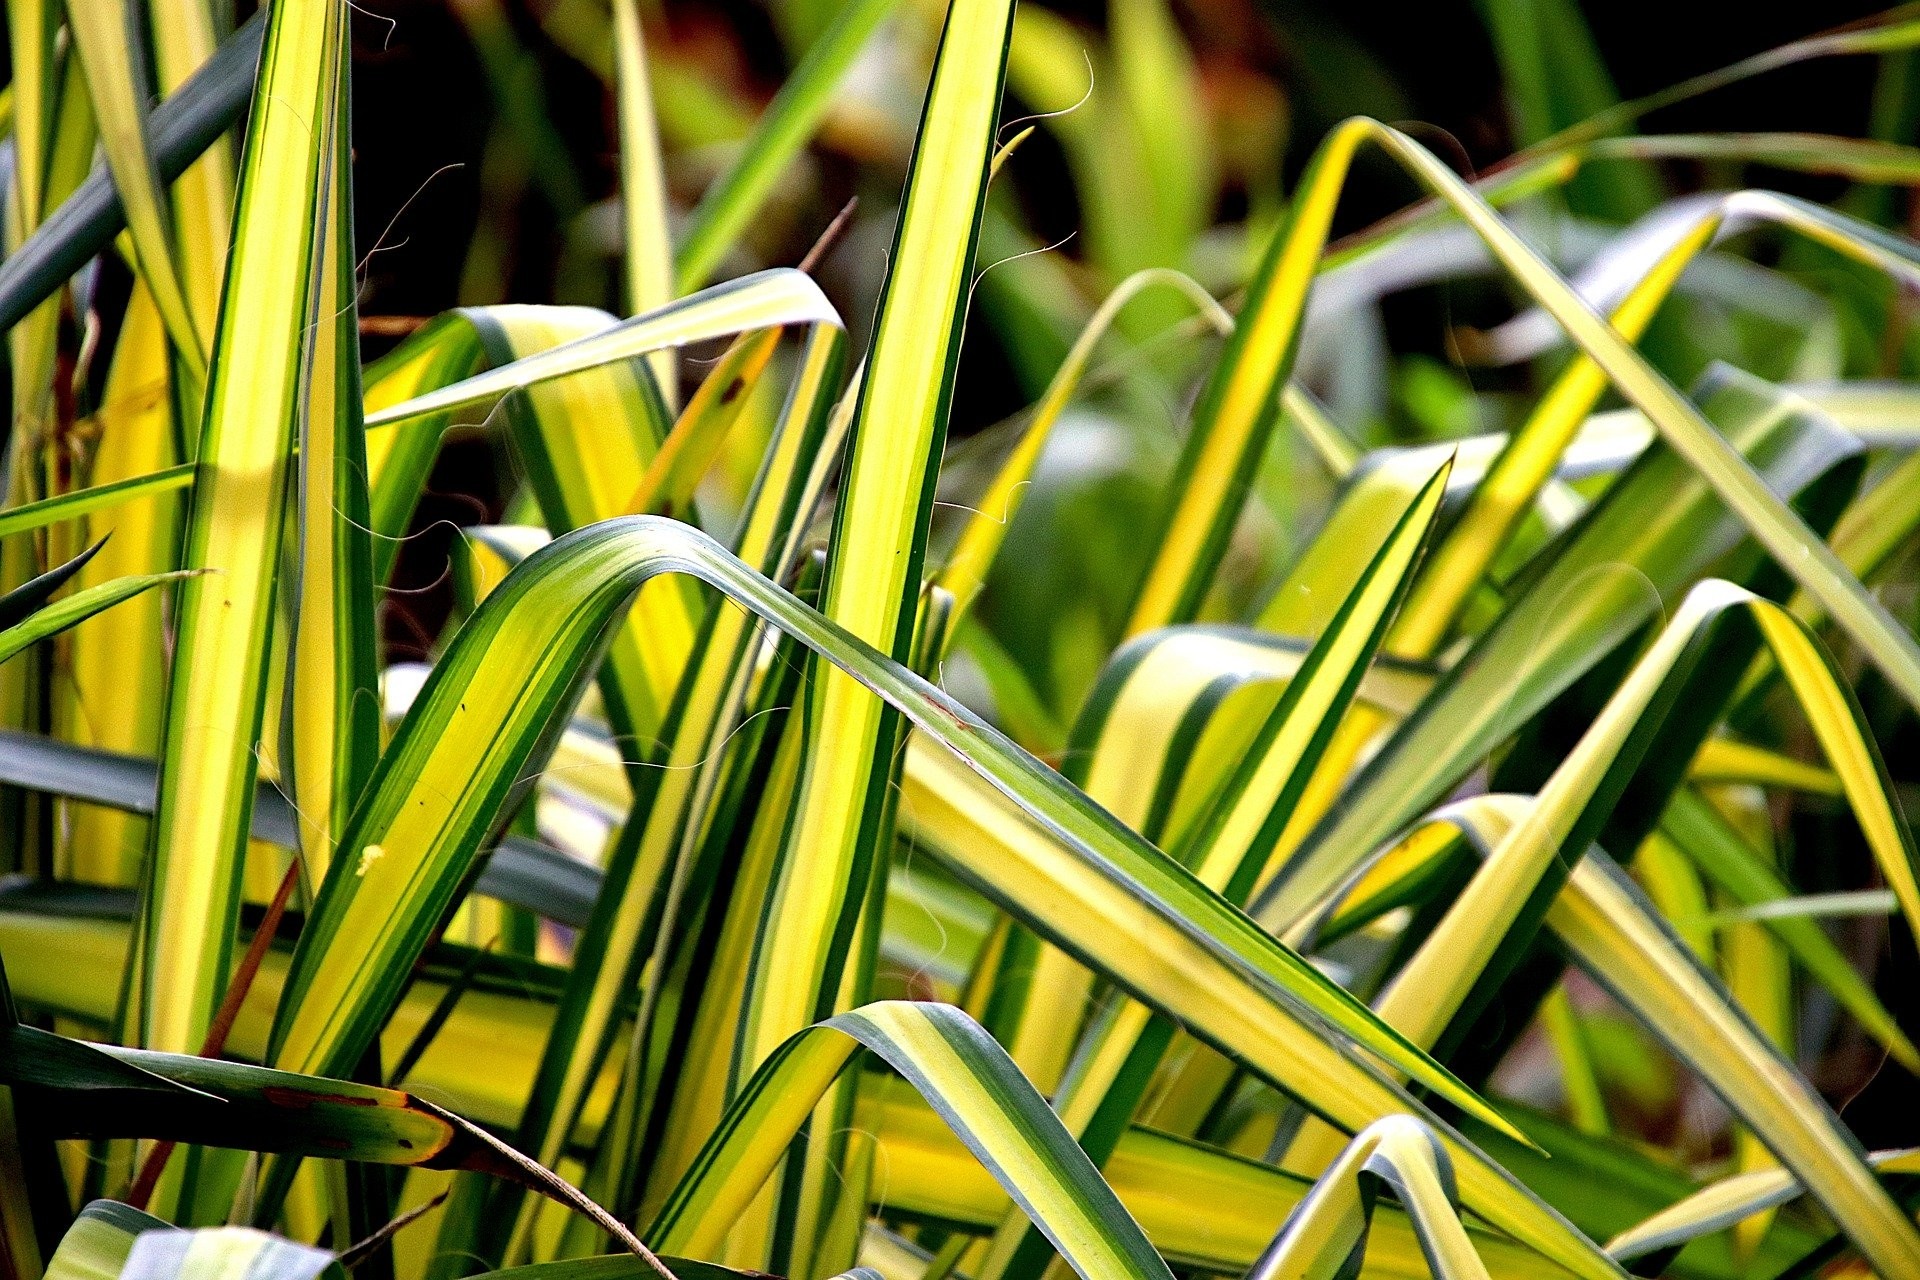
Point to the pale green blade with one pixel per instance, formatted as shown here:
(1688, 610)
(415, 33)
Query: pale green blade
(216, 1253)
(96, 1246)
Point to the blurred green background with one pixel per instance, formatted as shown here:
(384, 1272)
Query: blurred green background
(486, 172)
(485, 147)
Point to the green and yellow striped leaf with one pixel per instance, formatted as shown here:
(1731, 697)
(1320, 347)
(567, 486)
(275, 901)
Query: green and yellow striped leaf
(974, 1087)
(75, 609)
(1230, 842)
(100, 497)
(258, 385)
(1325, 1236)
(1660, 526)
(841, 822)
(1610, 929)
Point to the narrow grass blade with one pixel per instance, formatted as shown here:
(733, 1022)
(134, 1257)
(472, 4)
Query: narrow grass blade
(1579, 1077)
(186, 41)
(1727, 760)
(643, 192)
(75, 609)
(1256, 802)
(116, 695)
(1523, 468)
(100, 497)
(581, 466)
(32, 30)
(399, 458)
(1160, 94)
(1644, 263)
(21, 602)
(107, 41)
(211, 1102)
(1327, 569)
(782, 130)
(482, 1060)
(1738, 870)
(40, 1059)
(54, 142)
(583, 443)
(1240, 403)
(231, 1105)
(705, 1089)
(702, 428)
